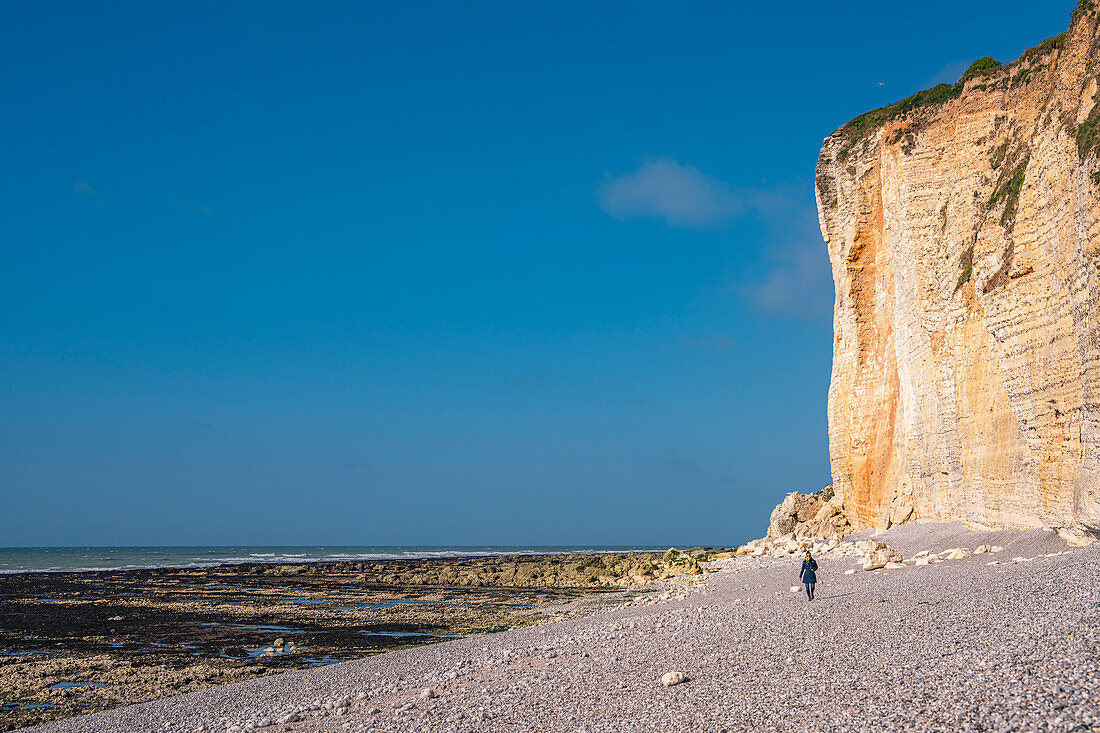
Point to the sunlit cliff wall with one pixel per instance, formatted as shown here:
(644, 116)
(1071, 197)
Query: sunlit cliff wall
(963, 227)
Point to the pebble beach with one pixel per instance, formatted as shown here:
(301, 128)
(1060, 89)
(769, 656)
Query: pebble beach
(996, 641)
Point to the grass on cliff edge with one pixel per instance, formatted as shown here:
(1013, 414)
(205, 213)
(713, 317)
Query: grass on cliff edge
(867, 122)
(860, 127)
(1084, 7)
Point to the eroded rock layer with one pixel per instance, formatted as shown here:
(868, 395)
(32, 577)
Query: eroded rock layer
(963, 227)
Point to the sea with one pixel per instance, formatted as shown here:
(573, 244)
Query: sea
(87, 559)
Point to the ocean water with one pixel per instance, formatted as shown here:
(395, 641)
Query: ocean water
(69, 559)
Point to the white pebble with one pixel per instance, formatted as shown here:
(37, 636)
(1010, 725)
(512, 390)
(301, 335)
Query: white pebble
(668, 679)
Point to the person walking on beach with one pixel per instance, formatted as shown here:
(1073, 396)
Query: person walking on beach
(808, 574)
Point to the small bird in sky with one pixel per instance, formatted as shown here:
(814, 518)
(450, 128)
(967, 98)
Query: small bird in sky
(882, 83)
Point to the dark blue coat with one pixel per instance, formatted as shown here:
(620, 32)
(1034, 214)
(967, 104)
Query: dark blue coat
(809, 568)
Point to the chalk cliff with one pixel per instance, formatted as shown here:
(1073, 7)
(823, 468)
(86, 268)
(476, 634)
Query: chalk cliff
(963, 227)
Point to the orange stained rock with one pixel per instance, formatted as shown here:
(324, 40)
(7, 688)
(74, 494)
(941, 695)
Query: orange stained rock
(966, 259)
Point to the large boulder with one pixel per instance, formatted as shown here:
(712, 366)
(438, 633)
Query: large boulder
(809, 516)
(794, 509)
(798, 522)
(880, 555)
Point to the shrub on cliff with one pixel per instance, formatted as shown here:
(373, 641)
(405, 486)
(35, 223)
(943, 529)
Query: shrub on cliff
(1088, 133)
(982, 67)
(1008, 189)
(1084, 7)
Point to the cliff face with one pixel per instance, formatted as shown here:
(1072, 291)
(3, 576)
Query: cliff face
(963, 227)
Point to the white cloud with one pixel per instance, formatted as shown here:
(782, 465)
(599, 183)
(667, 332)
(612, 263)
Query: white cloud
(794, 280)
(664, 189)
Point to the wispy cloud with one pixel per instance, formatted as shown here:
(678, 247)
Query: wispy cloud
(204, 209)
(665, 189)
(796, 279)
(716, 344)
(84, 188)
(949, 74)
(799, 282)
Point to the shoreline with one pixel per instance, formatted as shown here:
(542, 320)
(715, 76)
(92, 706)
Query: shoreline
(77, 642)
(413, 553)
(1007, 643)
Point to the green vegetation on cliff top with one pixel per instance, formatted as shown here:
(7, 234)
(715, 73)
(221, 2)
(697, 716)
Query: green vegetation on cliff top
(866, 123)
(1083, 7)
(984, 66)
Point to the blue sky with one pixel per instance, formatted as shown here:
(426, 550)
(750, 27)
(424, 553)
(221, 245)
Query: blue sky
(448, 273)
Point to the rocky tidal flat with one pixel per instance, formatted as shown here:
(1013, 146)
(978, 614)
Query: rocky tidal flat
(967, 643)
(74, 643)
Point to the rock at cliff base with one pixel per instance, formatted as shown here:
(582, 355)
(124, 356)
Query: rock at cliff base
(879, 555)
(809, 516)
(793, 509)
